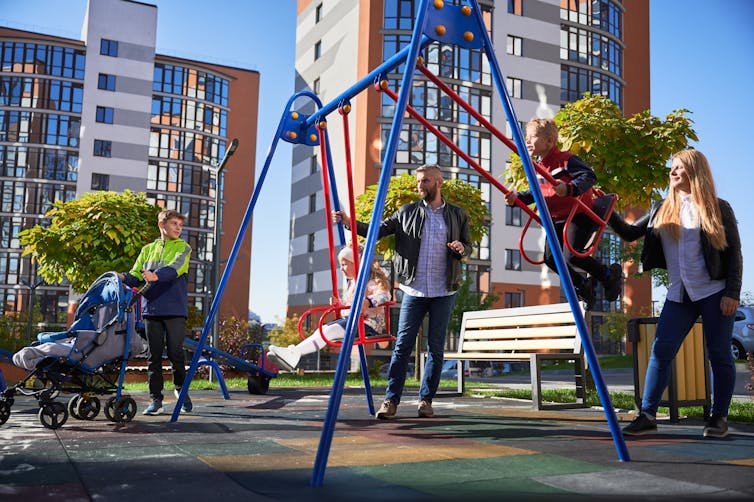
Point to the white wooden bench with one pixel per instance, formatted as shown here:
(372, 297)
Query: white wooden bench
(526, 334)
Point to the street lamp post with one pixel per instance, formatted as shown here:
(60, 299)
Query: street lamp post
(30, 304)
(218, 224)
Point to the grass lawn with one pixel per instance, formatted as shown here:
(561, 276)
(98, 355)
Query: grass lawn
(739, 411)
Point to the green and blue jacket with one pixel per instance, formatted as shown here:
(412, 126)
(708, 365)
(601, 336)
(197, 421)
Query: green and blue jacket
(168, 296)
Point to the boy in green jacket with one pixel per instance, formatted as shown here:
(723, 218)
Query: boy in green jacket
(164, 264)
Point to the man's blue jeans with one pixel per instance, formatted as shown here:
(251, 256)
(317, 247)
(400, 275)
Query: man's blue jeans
(676, 320)
(413, 310)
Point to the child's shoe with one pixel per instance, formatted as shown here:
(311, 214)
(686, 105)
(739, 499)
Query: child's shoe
(287, 358)
(614, 283)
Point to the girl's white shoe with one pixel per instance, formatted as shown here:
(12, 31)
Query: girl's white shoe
(287, 358)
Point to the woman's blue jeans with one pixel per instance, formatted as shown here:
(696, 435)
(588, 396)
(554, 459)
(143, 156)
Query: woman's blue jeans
(413, 310)
(676, 320)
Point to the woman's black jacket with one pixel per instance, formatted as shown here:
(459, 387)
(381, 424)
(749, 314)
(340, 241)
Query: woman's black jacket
(726, 264)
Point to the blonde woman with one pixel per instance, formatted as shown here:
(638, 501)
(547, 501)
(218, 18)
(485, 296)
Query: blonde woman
(377, 293)
(694, 235)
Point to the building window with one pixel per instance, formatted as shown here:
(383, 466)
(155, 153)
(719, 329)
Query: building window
(318, 13)
(513, 45)
(105, 114)
(309, 282)
(102, 148)
(310, 243)
(313, 203)
(512, 300)
(512, 259)
(108, 48)
(516, 7)
(315, 86)
(317, 50)
(106, 82)
(100, 181)
(513, 216)
(313, 165)
(514, 87)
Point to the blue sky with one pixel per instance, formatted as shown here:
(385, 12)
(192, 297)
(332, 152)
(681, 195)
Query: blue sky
(700, 60)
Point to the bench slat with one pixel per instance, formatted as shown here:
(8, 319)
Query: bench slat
(491, 322)
(485, 356)
(522, 333)
(520, 345)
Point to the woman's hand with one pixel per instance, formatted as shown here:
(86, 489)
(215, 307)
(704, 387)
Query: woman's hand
(728, 306)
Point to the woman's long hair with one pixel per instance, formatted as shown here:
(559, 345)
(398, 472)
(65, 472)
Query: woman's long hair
(703, 193)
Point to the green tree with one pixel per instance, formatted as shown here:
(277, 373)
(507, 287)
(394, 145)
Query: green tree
(287, 334)
(86, 237)
(402, 190)
(628, 154)
(468, 300)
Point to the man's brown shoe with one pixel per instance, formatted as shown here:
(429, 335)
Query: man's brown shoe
(387, 410)
(425, 409)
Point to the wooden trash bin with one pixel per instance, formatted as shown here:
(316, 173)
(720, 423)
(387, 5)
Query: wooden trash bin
(690, 371)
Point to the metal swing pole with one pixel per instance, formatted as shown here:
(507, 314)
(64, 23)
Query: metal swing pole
(552, 239)
(207, 328)
(336, 394)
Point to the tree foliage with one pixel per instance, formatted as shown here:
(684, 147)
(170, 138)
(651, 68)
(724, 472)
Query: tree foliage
(629, 155)
(86, 237)
(287, 334)
(402, 190)
(468, 300)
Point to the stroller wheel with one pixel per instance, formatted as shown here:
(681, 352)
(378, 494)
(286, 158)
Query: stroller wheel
(73, 406)
(4, 410)
(88, 408)
(124, 409)
(110, 407)
(53, 415)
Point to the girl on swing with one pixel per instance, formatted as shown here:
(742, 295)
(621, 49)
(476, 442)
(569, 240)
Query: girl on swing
(377, 293)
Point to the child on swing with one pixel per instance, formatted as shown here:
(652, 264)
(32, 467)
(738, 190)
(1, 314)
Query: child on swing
(377, 293)
(574, 178)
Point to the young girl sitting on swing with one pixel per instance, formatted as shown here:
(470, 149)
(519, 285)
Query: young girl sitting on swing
(373, 312)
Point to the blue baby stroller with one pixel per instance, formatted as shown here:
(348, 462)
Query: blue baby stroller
(87, 360)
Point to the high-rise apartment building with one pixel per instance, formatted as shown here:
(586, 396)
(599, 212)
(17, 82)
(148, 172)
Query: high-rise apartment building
(107, 113)
(550, 52)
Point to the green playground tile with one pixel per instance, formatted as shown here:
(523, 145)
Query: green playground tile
(497, 473)
(113, 454)
(254, 447)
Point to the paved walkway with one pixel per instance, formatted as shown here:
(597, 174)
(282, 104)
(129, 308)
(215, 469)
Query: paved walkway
(263, 448)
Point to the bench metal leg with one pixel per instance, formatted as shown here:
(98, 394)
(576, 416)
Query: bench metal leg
(536, 383)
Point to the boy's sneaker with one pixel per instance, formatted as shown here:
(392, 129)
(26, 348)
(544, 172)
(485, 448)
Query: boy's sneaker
(187, 404)
(387, 410)
(640, 425)
(425, 409)
(154, 408)
(586, 292)
(716, 427)
(614, 283)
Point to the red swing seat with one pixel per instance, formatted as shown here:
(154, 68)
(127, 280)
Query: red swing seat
(335, 311)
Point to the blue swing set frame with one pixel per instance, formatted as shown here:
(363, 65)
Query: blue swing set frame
(460, 25)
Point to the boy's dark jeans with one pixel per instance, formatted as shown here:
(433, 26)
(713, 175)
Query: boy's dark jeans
(165, 332)
(579, 232)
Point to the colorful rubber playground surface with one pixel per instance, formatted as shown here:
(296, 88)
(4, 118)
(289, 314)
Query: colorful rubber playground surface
(263, 448)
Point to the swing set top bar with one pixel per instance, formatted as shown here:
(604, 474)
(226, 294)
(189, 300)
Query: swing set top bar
(449, 24)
